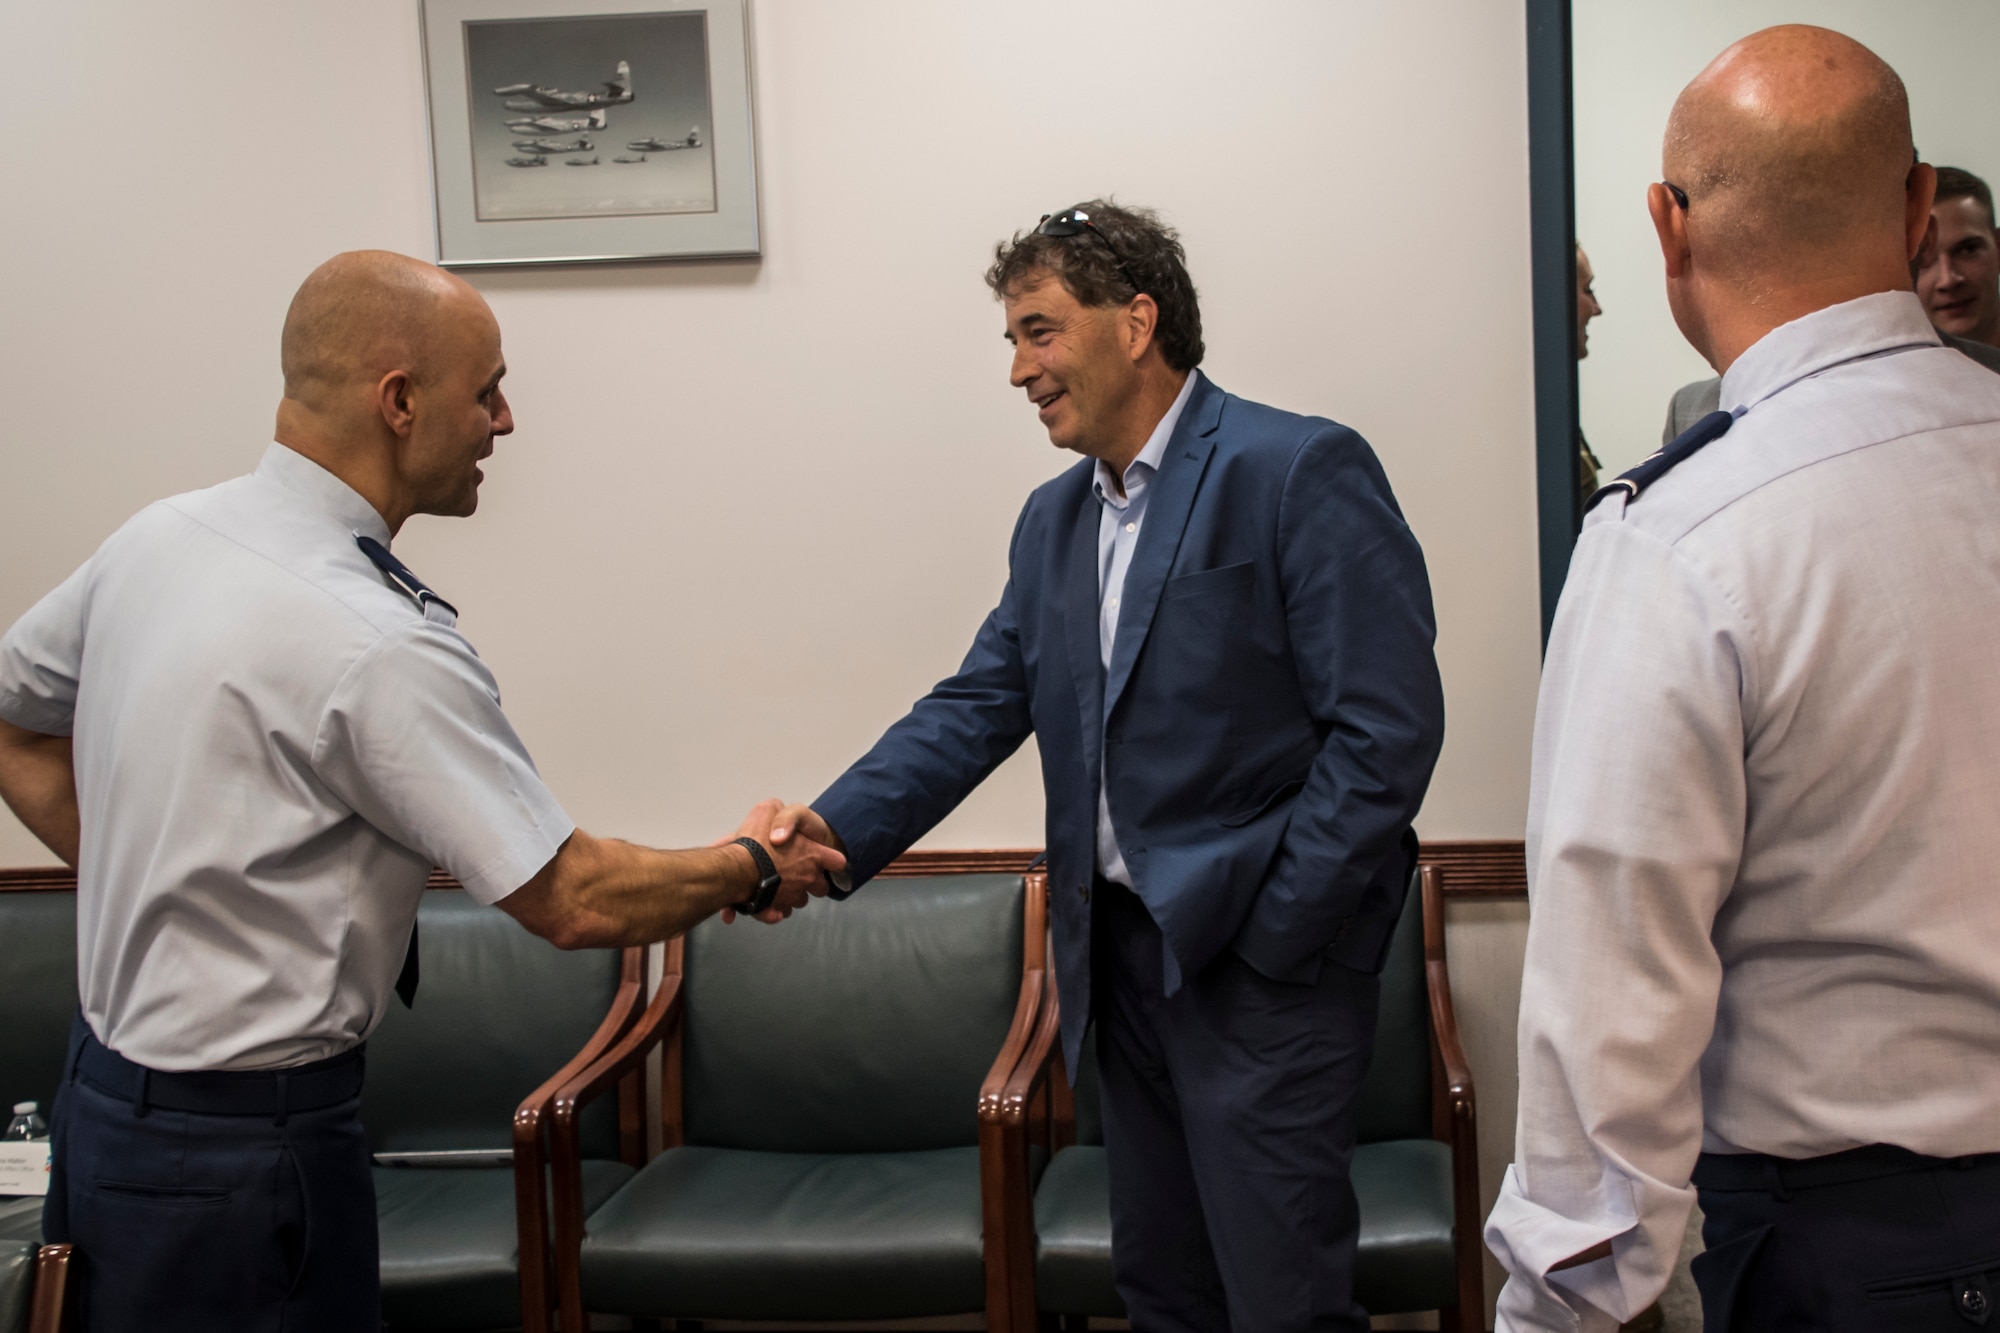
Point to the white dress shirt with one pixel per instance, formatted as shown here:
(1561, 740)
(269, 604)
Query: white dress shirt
(1764, 822)
(273, 746)
(1119, 520)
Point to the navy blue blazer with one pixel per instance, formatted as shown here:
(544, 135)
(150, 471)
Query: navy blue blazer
(1266, 730)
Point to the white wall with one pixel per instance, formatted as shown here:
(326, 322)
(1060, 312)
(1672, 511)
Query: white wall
(1632, 60)
(753, 509)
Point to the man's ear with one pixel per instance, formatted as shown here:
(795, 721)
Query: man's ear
(1670, 225)
(1926, 251)
(1142, 322)
(1919, 192)
(395, 399)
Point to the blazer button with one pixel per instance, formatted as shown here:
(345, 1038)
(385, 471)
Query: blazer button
(1083, 893)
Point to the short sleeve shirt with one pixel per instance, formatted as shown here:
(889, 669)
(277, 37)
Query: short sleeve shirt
(273, 747)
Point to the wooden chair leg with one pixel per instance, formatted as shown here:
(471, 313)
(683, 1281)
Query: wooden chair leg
(49, 1310)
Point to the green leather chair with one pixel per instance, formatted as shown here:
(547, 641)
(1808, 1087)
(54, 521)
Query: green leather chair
(454, 1107)
(1416, 1169)
(821, 1082)
(38, 977)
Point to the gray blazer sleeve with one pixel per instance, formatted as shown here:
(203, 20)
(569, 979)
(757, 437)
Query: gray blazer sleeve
(1691, 402)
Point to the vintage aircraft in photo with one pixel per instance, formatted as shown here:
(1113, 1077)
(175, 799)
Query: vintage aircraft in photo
(579, 161)
(630, 161)
(693, 140)
(557, 124)
(527, 161)
(554, 145)
(541, 97)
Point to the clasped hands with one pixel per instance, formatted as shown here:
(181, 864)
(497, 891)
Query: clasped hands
(802, 846)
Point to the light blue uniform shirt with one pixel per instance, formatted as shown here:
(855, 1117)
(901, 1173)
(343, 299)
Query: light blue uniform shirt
(1119, 520)
(274, 745)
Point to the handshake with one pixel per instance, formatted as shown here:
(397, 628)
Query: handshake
(804, 849)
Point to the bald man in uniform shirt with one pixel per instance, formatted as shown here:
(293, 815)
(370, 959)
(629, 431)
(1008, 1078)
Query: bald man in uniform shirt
(253, 731)
(1764, 954)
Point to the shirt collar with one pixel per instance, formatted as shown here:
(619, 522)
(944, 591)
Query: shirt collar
(1865, 326)
(1154, 450)
(323, 491)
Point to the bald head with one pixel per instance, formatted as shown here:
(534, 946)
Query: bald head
(1793, 145)
(363, 314)
(392, 382)
(1790, 186)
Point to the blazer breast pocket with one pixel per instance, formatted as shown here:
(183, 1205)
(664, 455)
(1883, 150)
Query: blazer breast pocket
(1210, 582)
(1193, 655)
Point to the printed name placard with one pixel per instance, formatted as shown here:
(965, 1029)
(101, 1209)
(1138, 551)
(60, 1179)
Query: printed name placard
(24, 1167)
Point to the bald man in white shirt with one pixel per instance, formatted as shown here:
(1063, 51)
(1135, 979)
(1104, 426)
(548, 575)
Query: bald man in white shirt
(253, 731)
(1764, 953)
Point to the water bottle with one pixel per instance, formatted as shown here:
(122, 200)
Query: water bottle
(27, 1124)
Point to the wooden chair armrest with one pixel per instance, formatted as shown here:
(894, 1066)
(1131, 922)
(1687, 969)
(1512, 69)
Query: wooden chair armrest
(1437, 978)
(993, 1088)
(48, 1310)
(1451, 1049)
(1459, 1111)
(1032, 1069)
(531, 1202)
(1006, 1189)
(565, 1146)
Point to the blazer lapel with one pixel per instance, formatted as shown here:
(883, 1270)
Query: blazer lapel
(1174, 488)
(1086, 661)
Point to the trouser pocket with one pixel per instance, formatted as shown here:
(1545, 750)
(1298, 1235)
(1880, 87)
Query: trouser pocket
(1967, 1291)
(1719, 1275)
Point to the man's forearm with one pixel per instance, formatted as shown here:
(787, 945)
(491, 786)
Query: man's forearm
(38, 782)
(602, 893)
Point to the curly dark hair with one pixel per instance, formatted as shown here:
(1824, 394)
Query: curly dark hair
(1100, 265)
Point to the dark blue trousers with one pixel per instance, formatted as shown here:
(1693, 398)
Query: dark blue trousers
(257, 1218)
(1229, 1120)
(1876, 1240)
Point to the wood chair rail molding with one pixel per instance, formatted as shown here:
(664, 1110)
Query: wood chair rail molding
(1471, 869)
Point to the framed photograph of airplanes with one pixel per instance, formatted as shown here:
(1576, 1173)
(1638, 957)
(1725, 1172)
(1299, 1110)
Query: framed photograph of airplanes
(584, 131)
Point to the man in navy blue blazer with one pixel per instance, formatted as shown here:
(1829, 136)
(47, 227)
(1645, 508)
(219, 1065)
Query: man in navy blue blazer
(1219, 630)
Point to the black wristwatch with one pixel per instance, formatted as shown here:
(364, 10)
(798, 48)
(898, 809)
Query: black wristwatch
(768, 880)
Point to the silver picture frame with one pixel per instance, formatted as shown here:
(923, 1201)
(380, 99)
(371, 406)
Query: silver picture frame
(590, 131)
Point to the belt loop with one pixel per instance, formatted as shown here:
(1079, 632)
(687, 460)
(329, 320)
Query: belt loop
(1774, 1174)
(284, 1086)
(139, 1106)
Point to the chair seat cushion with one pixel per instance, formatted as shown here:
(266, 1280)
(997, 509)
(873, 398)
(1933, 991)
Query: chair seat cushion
(1073, 1236)
(450, 1243)
(1405, 1261)
(20, 1237)
(734, 1234)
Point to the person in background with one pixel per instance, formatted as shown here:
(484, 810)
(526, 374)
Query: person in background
(253, 731)
(1587, 309)
(1959, 278)
(1763, 958)
(1966, 215)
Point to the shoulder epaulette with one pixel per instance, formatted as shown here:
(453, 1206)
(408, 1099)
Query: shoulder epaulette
(434, 607)
(1683, 447)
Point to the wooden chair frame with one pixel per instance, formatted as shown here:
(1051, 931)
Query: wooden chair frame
(1035, 1108)
(531, 1123)
(49, 1311)
(660, 1026)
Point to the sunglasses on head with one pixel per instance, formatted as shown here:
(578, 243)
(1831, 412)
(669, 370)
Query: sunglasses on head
(1076, 221)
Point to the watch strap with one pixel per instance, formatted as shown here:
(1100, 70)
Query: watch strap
(768, 879)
